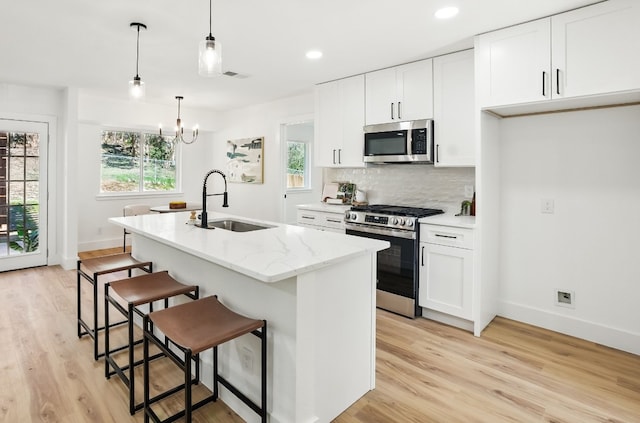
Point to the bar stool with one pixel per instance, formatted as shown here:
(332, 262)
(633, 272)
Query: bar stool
(135, 292)
(195, 327)
(90, 269)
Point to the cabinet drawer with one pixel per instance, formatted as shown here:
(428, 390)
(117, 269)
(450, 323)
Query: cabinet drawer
(447, 235)
(321, 220)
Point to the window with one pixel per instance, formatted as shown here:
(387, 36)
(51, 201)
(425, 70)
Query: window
(137, 162)
(298, 165)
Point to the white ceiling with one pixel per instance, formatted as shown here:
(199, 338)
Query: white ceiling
(88, 44)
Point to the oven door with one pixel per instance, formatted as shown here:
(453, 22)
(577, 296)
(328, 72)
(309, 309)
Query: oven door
(397, 271)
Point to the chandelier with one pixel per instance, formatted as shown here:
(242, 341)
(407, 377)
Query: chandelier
(179, 137)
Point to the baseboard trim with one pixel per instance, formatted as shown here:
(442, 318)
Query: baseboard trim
(447, 319)
(601, 334)
(100, 245)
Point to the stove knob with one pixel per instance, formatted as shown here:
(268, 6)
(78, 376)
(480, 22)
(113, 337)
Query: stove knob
(353, 216)
(401, 222)
(410, 223)
(395, 221)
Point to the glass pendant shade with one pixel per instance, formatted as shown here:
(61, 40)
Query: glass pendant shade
(210, 57)
(136, 88)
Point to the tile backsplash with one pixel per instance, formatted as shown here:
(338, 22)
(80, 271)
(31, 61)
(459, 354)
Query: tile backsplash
(408, 185)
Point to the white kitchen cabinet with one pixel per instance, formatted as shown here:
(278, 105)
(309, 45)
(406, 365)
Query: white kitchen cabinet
(454, 111)
(587, 51)
(446, 270)
(327, 219)
(400, 93)
(339, 118)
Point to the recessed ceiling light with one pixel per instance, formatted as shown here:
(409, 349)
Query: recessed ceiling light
(314, 54)
(446, 12)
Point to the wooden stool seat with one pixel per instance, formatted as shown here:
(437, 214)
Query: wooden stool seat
(135, 292)
(202, 324)
(90, 270)
(195, 327)
(147, 288)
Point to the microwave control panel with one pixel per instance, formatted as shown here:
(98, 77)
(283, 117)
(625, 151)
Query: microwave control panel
(419, 141)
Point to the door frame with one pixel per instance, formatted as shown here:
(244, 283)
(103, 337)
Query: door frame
(313, 174)
(50, 250)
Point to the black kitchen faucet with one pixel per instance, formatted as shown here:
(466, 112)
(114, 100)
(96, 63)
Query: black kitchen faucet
(204, 222)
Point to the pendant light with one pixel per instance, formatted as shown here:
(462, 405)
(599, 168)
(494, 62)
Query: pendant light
(180, 128)
(136, 86)
(210, 54)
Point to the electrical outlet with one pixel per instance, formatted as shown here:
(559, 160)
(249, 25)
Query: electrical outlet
(99, 230)
(546, 206)
(246, 359)
(565, 298)
(468, 191)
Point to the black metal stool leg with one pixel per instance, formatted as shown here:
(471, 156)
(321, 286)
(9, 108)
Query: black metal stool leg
(95, 317)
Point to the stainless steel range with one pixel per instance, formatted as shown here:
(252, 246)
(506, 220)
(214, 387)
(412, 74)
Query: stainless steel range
(397, 276)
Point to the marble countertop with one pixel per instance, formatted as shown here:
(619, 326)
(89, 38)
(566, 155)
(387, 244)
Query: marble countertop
(268, 255)
(450, 220)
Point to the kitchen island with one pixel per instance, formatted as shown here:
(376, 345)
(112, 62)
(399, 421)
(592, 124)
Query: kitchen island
(316, 290)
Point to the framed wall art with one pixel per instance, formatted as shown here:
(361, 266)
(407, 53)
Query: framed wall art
(245, 160)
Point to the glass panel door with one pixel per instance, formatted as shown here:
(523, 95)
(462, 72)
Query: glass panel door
(23, 194)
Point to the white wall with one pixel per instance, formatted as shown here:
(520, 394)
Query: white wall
(587, 162)
(94, 113)
(260, 201)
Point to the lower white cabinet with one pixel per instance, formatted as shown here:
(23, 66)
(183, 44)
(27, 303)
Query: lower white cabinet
(446, 270)
(330, 220)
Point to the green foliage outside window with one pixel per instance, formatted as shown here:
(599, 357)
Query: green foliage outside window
(137, 162)
(296, 162)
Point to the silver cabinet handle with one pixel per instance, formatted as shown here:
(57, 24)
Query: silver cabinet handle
(339, 156)
(544, 80)
(391, 110)
(447, 236)
(422, 258)
(334, 156)
(399, 109)
(308, 217)
(558, 81)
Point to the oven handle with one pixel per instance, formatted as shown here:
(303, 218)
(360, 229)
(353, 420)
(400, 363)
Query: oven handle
(364, 230)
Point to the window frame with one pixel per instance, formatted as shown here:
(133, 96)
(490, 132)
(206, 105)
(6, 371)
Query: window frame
(140, 193)
(307, 164)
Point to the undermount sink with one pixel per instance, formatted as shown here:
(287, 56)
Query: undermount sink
(235, 225)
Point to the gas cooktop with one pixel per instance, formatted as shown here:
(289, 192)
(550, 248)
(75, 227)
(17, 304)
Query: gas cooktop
(397, 210)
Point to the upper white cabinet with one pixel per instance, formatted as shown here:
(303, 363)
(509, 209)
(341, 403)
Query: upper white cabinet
(400, 93)
(339, 119)
(596, 49)
(587, 51)
(454, 109)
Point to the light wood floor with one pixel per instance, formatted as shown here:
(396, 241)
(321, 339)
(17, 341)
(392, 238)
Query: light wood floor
(426, 372)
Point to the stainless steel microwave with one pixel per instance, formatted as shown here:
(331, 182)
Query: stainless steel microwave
(399, 142)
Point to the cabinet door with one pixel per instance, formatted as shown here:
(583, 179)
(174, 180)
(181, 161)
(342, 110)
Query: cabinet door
(350, 151)
(595, 49)
(446, 280)
(415, 90)
(381, 94)
(513, 64)
(339, 121)
(454, 109)
(327, 125)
